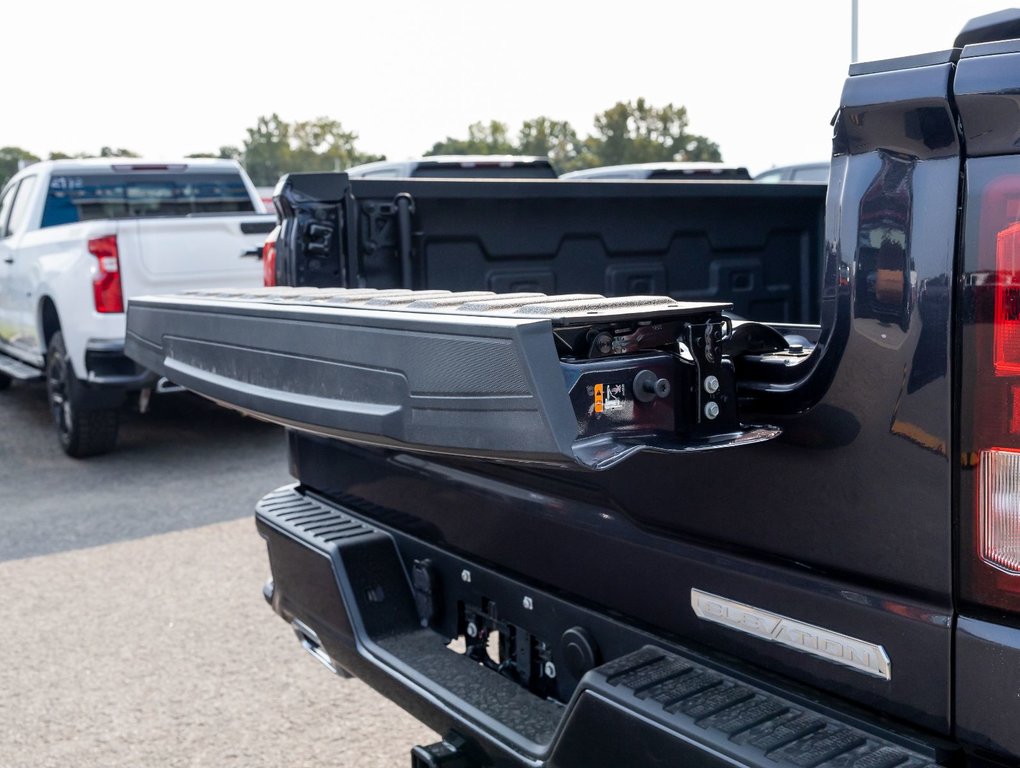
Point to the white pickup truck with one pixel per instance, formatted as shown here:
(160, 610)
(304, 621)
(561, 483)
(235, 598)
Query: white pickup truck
(78, 239)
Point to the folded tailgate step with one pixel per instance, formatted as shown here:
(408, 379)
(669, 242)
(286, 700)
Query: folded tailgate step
(578, 379)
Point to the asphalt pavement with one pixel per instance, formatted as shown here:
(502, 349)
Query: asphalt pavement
(187, 462)
(133, 631)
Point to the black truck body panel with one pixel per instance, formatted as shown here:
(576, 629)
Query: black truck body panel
(987, 679)
(839, 562)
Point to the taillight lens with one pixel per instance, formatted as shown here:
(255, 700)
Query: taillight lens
(106, 288)
(999, 509)
(269, 259)
(989, 373)
(1007, 301)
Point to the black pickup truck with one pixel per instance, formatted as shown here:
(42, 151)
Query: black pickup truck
(658, 473)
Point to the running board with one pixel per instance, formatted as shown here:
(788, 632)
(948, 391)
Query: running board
(18, 370)
(567, 380)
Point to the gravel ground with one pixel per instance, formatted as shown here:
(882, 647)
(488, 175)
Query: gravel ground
(161, 652)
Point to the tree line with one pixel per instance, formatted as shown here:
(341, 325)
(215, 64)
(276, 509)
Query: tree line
(627, 132)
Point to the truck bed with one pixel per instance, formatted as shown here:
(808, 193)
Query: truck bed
(757, 247)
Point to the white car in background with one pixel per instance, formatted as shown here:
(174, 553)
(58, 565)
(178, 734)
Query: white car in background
(78, 239)
(690, 171)
(816, 173)
(457, 166)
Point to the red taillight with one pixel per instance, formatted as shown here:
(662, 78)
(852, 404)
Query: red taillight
(269, 259)
(1007, 301)
(106, 287)
(989, 314)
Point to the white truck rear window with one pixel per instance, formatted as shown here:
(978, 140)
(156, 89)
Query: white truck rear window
(112, 195)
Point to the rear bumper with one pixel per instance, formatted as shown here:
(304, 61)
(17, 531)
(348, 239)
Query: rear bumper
(383, 605)
(106, 365)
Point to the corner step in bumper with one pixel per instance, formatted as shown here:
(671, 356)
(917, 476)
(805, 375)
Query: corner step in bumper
(651, 704)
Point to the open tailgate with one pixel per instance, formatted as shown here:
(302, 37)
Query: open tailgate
(578, 379)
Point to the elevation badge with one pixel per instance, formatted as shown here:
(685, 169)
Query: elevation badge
(857, 654)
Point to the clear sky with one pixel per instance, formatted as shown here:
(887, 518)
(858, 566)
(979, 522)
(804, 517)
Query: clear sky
(762, 79)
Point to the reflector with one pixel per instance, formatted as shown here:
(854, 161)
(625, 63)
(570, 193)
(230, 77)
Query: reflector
(1007, 301)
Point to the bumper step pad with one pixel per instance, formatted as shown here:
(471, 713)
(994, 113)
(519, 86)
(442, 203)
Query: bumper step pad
(679, 706)
(564, 380)
(740, 720)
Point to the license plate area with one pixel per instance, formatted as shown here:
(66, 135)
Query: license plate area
(541, 643)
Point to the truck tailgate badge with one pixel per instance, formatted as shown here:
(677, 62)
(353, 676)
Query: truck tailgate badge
(865, 657)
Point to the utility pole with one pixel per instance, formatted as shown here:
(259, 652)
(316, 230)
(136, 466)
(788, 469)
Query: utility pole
(853, 31)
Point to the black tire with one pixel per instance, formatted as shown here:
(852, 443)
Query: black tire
(83, 430)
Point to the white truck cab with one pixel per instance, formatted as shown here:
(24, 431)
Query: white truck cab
(79, 238)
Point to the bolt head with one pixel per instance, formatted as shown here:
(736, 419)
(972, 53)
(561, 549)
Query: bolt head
(711, 410)
(550, 670)
(528, 604)
(465, 576)
(472, 629)
(711, 384)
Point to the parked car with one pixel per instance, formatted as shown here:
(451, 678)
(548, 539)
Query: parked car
(266, 196)
(458, 166)
(699, 171)
(804, 172)
(79, 239)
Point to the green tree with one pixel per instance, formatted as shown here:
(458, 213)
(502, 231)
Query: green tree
(322, 144)
(627, 132)
(555, 139)
(267, 152)
(230, 152)
(226, 152)
(274, 147)
(700, 148)
(11, 160)
(637, 132)
(117, 152)
(492, 138)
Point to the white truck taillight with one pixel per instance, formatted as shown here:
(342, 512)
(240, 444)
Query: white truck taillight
(269, 258)
(106, 288)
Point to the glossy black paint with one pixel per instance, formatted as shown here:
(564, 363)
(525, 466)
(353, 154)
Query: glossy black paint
(988, 98)
(987, 682)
